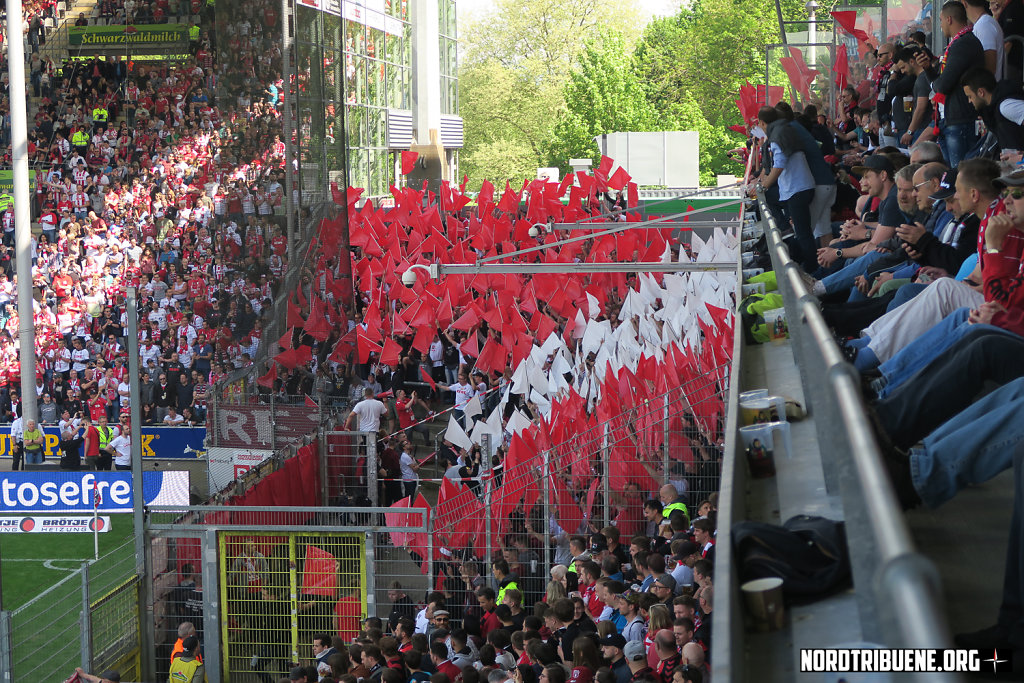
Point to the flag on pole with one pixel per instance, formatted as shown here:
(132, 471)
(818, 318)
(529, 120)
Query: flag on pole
(97, 497)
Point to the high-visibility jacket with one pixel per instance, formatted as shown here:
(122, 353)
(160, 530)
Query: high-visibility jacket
(184, 670)
(504, 587)
(666, 511)
(179, 647)
(105, 436)
(193, 32)
(80, 138)
(100, 114)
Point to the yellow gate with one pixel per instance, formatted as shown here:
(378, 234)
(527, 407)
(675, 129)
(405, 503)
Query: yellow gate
(278, 591)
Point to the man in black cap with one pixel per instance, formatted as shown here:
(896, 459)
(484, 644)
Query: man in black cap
(611, 648)
(664, 588)
(683, 553)
(858, 237)
(187, 668)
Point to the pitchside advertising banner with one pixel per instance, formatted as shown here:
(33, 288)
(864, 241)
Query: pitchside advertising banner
(45, 492)
(50, 524)
(133, 34)
(160, 443)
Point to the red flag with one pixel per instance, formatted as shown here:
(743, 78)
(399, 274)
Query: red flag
(391, 354)
(409, 161)
(509, 201)
(632, 195)
(618, 180)
(310, 403)
(841, 68)
(427, 378)
(268, 379)
(319, 572)
(847, 20)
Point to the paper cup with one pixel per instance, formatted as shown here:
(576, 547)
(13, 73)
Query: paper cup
(762, 409)
(753, 288)
(764, 603)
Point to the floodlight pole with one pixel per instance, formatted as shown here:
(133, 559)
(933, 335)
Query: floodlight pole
(287, 128)
(143, 565)
(22, 209)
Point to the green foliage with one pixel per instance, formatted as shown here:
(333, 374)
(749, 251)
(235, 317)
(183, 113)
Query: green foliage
(515, 63)
(601, 96)
(507, 120)
(541, 79)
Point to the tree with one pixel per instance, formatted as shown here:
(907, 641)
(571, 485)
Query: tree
(540, 39)
(504, 114)
(514, 65)
(601, 96)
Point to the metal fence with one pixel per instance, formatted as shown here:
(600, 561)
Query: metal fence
(259, 581)
(89, 618)
(599, 475)
(897, 589)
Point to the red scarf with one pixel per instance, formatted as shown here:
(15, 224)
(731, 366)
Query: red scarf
(940, 98)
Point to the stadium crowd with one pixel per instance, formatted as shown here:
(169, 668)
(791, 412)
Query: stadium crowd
(142, 179)
(616, 613)
(908, 223)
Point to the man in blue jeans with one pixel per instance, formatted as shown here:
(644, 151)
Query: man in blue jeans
(1006, 636)
(791, 172)
(966, 443)
(956, 113)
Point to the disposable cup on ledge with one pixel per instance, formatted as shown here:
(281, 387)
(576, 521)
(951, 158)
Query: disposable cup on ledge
(759, 447)
(764, 603)
(762, 409)
(753, 288)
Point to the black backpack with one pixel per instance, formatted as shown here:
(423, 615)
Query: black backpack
(809, 554)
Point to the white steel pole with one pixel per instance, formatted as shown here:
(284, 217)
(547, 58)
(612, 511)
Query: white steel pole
(22, 209)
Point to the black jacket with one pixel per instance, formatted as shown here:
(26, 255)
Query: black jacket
(964, 53)
(402, 607)
(946, 256)
(1009, 134)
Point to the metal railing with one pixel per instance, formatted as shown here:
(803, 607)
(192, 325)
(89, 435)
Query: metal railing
(897, 588)
(89, 619)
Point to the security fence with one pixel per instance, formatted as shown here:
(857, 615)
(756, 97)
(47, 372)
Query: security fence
(90, 618)
(258, 582)
(277, 592)
(524, 508)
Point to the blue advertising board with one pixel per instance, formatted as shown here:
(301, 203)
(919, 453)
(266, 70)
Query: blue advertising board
(22, 492)
(162, 443)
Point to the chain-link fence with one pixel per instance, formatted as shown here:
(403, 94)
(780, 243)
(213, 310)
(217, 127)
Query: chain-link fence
(539, 491)
(90, 618)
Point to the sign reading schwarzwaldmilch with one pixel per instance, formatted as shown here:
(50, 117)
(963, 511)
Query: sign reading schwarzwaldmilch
(133, 34)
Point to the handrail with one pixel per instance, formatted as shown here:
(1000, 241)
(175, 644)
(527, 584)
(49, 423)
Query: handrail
(903, 583)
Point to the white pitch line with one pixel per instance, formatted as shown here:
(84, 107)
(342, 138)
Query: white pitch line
(28, 559)
(49, 565)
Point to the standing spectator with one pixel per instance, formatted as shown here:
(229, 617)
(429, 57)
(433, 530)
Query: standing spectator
(955, 113)
(91, 442)
(795, 181)
(410, 479)
(34, 441)
(17, 443)
(122, 447)
(989, 32)
(1010, 15)
(368, 413)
